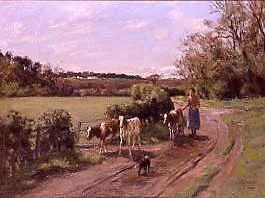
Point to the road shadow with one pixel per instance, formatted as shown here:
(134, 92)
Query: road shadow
(137, 154)
(183, 141)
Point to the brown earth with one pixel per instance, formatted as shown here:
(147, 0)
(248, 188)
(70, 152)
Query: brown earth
(173, 167)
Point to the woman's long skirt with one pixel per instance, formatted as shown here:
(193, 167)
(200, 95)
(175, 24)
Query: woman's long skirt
(193, 121)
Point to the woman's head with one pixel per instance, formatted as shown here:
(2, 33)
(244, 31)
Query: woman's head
(192, 91)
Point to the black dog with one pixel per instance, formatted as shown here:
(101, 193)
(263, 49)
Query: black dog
(144, 164)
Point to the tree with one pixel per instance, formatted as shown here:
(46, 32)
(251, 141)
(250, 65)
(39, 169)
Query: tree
(228, 60)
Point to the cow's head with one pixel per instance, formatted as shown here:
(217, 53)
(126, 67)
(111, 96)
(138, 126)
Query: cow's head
(121, 119)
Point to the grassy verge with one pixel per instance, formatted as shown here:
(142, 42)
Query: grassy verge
(199, 184)
(53, 164)
(229, 146)
(247, 179)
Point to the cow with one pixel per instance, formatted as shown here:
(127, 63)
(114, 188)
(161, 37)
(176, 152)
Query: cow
(104, 130)
(130, 129)
(175, 122)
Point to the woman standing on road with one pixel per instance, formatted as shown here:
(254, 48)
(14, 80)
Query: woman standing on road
(193, 121)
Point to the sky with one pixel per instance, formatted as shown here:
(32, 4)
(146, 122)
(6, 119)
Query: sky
(107, 36)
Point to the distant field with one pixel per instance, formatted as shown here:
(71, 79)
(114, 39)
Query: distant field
(81, 108)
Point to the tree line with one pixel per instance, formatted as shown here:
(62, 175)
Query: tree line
(87, 74)
(228, 60)
(20, 76)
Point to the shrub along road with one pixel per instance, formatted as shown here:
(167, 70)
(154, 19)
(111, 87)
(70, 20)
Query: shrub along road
(182, 169)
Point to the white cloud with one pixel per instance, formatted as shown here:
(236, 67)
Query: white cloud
(190, 24)
(160, 34)
(136, 24)
(168, 72)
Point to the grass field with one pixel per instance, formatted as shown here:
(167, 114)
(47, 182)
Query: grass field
(89, 109)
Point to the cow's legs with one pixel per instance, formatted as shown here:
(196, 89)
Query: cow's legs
(139, 142)
(133, 140)
(129, 144)
(104, 147)
(121, 141)
(173, 133)
(169, 132)
(171, 136)
(101, 146)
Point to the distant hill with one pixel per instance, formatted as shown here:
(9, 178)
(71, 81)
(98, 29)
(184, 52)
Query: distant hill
(93, 75)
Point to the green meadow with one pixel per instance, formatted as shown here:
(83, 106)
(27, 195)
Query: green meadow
(90, 109)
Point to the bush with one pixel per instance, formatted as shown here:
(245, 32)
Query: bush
(8, 89)
(15, 143)
(172, 91)
(147, 107)
(49, 137)
(53, 132)
(142, 91)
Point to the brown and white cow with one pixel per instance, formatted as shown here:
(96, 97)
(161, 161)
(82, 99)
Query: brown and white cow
(130, 130)
(106, 128)
(175, 122)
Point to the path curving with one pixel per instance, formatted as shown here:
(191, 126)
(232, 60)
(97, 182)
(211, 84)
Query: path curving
(172, 168)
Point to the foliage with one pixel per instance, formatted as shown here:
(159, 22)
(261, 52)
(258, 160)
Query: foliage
(145, 92)
(149, 102)
(53, 132)
(15, 143)
(173, 91)
(21, 138)
(228, 60)
(20, 76)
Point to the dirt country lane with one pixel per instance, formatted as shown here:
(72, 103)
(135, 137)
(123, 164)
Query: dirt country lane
(173, 167)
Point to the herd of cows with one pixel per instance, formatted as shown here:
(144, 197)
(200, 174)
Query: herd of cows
(130, 129)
